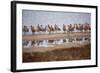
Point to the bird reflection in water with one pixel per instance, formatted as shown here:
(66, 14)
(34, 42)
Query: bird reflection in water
(45, 43)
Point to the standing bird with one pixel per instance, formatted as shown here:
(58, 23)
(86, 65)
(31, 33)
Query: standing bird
(64, 28)
(25, 29)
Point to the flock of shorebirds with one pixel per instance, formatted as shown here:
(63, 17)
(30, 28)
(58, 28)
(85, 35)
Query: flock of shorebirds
(49, 29)
(40, 29)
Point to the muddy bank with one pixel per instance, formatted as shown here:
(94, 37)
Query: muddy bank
(72, 53)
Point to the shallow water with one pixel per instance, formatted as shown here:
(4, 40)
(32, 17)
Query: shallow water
(51, 43)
